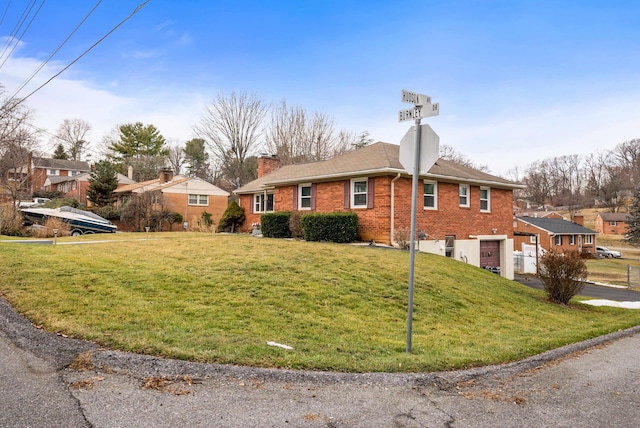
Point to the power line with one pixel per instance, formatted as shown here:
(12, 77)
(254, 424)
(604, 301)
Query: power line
(55, 51)
(5, 13)
(136, 10)
(17, 27)
(22, 35)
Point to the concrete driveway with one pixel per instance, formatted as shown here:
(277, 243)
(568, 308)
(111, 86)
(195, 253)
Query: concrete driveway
(50, 381)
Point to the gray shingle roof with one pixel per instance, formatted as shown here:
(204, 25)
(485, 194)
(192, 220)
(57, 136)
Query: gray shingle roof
(65, 164)
(614, 216)
(558, 226)
(376, 159)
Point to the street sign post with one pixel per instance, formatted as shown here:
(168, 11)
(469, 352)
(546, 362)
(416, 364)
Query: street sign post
(422, 108)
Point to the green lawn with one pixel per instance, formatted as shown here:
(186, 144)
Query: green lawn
(220, 298)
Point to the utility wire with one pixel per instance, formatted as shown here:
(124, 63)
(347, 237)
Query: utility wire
(17, 27)
(22, 35)
(136, 10)
(4, 15)
(55, 51)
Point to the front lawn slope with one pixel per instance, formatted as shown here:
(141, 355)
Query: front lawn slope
(222, 298)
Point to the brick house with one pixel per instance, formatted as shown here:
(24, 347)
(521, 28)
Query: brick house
(40, 169)
(612, 223)
(464, 213)
(76, 186)
(185, 195)
(554, 234)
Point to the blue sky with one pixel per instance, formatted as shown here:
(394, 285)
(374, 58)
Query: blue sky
(517, 81)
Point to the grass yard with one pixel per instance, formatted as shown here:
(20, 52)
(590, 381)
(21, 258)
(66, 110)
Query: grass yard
(220, 298)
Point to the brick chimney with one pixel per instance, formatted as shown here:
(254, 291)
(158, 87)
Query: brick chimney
(267, 164)
(578, 219)
(166, 175)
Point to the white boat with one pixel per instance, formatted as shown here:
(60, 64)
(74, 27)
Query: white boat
(79, 221)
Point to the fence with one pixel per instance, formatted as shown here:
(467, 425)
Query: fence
(633, 276)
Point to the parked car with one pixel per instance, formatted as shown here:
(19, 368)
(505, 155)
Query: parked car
(605, 252)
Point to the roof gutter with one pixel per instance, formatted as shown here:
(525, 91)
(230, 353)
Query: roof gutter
(378, 171)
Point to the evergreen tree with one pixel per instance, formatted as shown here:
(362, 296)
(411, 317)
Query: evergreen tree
(103, 181)
(140, 146)
(633, 234)
(60, 153)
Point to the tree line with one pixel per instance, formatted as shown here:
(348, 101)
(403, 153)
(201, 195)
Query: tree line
(606, 178)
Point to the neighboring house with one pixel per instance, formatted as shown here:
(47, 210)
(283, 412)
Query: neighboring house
(612, 223)
(76, 186)
(41, 169)
(188, 196)
(554, 234)
(464, 213)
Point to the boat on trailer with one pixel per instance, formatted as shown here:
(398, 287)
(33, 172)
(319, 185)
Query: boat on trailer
(79, 221)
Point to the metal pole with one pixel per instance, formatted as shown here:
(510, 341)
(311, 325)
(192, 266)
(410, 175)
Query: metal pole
(412, 232)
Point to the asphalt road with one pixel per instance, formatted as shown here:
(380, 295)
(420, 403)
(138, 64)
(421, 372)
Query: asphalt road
(590, 290)
(593, 383)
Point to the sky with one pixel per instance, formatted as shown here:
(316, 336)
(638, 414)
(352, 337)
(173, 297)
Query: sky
(516, 81)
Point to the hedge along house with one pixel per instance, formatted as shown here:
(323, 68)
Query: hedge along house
(190, 197)
(463, 213)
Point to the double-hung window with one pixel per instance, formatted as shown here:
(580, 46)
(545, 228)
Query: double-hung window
(202, 200)
(359, 193)
(430, 195)
(558, 240)
(572, 239)
(464, 195)
(304, 197)
(588, 239)
(485, 199)
(262, 202)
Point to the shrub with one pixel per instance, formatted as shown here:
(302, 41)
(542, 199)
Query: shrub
(51, 223)
(108, 212)
(275, 225)
(10, 220)
(295, 225)
(402, 238)
(563, 275)
(338, 227)
(232, 218)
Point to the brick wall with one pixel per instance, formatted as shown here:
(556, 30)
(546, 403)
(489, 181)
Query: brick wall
(177, 202)
(375, 223)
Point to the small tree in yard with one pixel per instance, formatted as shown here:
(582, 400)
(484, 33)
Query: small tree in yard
(633, 233)
(563, 275)
(232, 218)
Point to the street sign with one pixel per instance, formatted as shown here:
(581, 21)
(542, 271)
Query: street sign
(419, 112)
(415, 98)
(429, 149)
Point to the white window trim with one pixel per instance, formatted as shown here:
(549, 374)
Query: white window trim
(353, 193)
(262, 208)
(488, 189)
(588, 239)
(435, 194)
(198, 203)
(300, 197)
(556, 239)
(468, 195)
(572, 239)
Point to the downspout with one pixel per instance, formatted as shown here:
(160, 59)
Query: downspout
(393, 214)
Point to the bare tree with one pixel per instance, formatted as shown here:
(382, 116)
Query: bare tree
(231, 126)
(294, 136)
(449, 153)
(176, 157)
(17, 142)
(73, 134)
